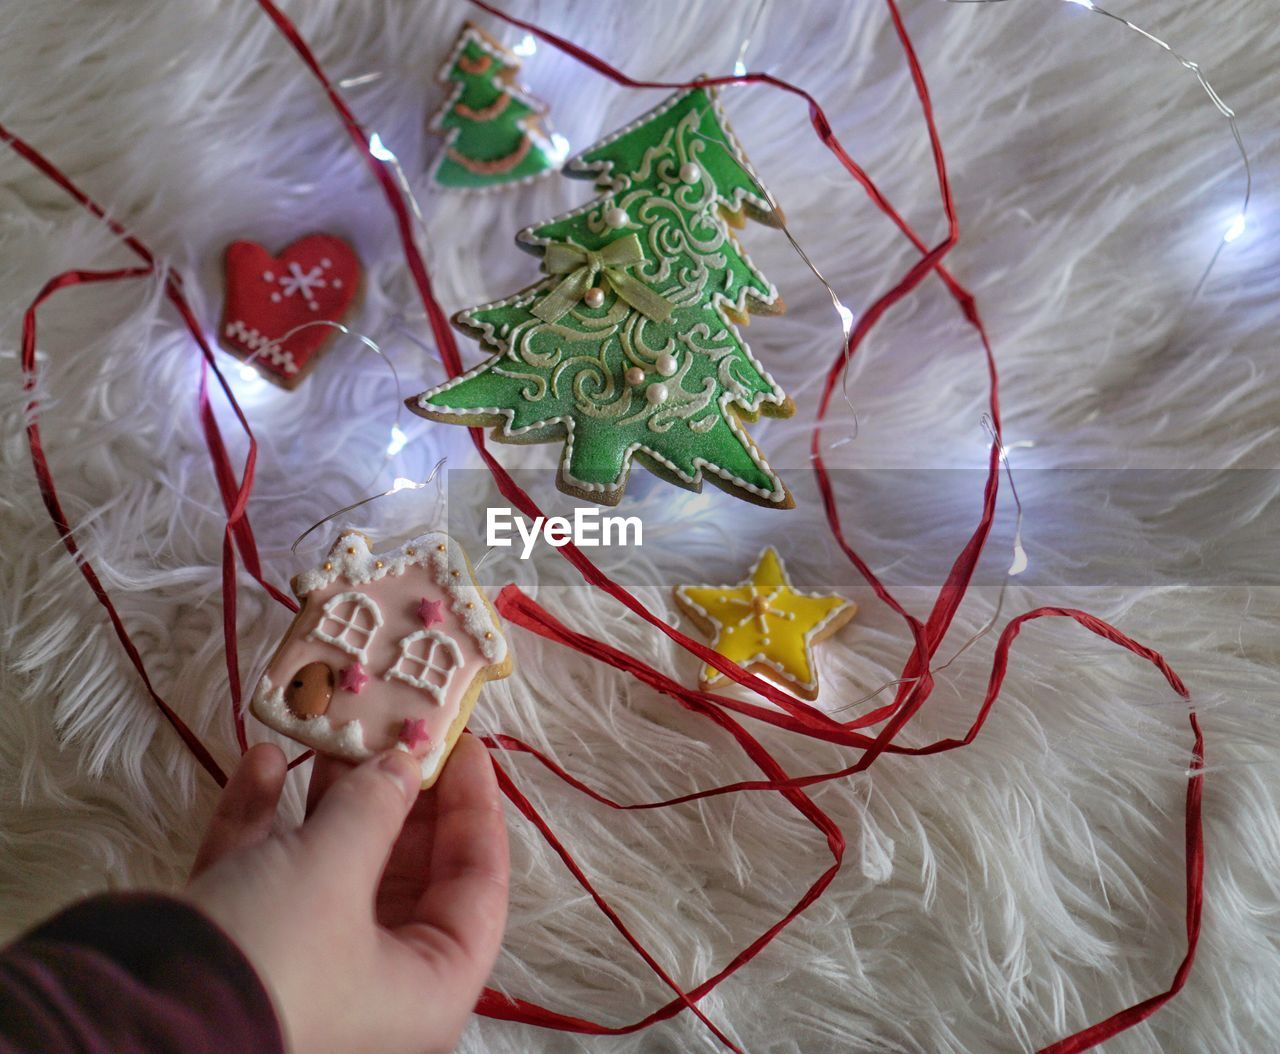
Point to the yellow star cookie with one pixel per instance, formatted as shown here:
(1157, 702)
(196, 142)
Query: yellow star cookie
(764, 625)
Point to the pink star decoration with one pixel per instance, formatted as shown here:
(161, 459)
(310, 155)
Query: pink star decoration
(413, 732)
(352, 678)
(430, 612)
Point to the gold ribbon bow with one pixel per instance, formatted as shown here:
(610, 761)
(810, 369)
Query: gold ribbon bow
(583, 267)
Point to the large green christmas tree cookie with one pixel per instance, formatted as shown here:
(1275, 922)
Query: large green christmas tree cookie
(493, 131)
(628, 348)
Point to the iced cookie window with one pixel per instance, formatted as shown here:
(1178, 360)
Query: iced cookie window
(349, 622)
(427, 660)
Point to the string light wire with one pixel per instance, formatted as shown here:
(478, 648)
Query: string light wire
(398, 438)
(842, 310)
(387, 156)
(1019, 561)
(1016, 567)
(400, 483)
(740, 67)
(1233, 231)
(1238, 223)
(360, 79)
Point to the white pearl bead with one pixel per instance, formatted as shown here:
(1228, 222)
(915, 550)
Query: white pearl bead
(634, 376)
(690, 173)
(616, 218)
(593, 297)
(656, 393)
(666, 364)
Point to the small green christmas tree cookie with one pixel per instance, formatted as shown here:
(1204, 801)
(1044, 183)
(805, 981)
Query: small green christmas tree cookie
(628, 348)
(493, 130)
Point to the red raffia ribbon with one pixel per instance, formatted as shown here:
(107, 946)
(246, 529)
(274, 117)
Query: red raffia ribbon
(797, 717)
(51, 502)
(523, 611)
(520, 609)
(928, 637)
(234, 494)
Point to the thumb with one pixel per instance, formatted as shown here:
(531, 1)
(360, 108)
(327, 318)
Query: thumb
(352, 830)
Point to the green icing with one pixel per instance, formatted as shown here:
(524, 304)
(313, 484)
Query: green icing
(619, 161)
(485, 152)
(568, 378)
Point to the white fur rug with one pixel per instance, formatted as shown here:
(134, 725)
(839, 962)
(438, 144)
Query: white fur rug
(994, 898)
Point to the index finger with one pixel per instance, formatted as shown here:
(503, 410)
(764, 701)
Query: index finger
(325, 772)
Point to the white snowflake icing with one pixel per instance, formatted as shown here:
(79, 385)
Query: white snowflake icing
(304, 283)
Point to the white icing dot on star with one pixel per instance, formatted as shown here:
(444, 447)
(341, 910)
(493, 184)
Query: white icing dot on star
(275, 298)
(326, 262)
(337, 283)
(267, 276)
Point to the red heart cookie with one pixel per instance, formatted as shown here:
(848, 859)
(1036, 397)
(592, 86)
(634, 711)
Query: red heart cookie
(316, 278)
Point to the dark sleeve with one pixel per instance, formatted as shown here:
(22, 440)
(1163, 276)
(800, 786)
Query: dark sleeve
(132, 974)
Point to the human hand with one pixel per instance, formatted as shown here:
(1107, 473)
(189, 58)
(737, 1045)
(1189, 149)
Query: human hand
(374, 925)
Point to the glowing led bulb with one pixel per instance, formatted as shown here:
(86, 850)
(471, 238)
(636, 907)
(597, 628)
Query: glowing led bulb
(1020, 561)
(846, 317)
(1236, 229)
(687, 504)
(1082, 3)
(398, 440)
(378, 149)
(527, 46)
(1020, 444)
(559, 148)
(401, 483)
(739, 69)
(248, 373)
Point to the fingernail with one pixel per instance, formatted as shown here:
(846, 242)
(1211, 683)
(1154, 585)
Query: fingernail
(404, 770)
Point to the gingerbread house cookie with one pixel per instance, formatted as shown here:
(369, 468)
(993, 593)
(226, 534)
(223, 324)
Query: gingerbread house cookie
(389, 650)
